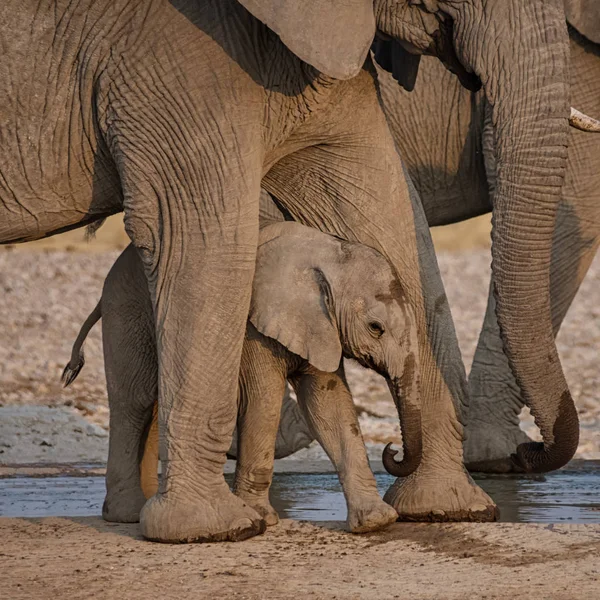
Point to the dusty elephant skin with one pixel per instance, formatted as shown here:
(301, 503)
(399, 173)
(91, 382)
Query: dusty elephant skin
(449, 148)
(315, 299)
(96, 93)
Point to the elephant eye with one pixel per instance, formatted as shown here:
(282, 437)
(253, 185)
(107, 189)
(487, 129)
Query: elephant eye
(376, 328)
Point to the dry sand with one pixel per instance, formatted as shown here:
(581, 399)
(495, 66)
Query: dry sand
(87, 558)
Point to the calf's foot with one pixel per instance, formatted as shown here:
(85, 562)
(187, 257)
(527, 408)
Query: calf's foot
(262, 506)
(369, 514)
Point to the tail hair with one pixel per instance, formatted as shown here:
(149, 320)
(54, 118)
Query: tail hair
(70, 372)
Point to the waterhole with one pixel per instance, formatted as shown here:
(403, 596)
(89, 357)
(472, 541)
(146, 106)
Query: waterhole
(570, 495)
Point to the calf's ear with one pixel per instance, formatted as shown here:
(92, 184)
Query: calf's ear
(291, 303)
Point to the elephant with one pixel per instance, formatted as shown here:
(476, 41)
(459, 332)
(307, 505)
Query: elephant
(176, 111)
(315, 298)
(449, 151)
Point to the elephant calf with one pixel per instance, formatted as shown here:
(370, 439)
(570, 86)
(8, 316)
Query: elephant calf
(315, 299)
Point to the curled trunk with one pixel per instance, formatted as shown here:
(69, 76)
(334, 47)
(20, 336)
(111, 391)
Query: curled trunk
(407, 396)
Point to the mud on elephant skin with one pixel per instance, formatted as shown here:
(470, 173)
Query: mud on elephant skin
(315, 299)
(450, 153)
(174, 112)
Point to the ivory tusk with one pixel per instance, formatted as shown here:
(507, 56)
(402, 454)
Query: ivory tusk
(583, 122)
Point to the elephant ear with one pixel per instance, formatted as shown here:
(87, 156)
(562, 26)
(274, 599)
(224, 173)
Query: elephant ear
(331, 35)
(584, 15)
(291, 299)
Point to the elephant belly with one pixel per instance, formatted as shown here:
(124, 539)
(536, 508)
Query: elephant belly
(52, 174)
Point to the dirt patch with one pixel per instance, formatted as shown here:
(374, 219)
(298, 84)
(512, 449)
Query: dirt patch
(498, 544)
(88, 558)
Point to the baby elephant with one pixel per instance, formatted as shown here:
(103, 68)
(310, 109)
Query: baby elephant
(315, 299)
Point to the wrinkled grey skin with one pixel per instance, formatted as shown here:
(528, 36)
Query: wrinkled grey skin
(315, 299)
(446, 135)
(174, 112)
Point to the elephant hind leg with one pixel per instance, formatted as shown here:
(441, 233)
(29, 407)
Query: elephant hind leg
(130, 363)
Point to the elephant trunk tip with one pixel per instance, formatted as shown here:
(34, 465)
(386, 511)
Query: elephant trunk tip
(405, 467)
(541, 457)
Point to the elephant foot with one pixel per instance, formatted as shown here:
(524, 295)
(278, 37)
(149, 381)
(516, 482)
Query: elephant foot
(123, 506)
(268, 513)
(438, 497)
(488, 447)
(219, 518)
(370, 515)
(263, 508)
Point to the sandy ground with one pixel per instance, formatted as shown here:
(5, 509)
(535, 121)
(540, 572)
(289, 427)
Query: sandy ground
(48, 293)
(88, 558)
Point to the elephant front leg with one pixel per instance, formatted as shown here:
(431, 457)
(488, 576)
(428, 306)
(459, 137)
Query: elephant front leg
(440, 489)
(199, 253)
(330, 413)
(362, 195)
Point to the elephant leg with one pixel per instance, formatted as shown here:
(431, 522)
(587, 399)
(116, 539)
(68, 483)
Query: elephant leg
(262, 386)
(329, 410)
(197, 237)
(492, 432)
(293, 433)
(130, 365)
(355, 187)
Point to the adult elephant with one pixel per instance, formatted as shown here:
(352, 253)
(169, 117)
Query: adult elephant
(449, 138)
(173, 111)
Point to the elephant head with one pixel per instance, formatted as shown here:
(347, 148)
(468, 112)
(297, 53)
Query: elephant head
(519, 53)
(324, 298)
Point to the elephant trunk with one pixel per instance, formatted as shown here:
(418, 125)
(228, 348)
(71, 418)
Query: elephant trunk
(406, 392)
(526, 84)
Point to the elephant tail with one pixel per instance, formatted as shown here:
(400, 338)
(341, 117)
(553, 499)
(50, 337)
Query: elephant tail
(77, 357)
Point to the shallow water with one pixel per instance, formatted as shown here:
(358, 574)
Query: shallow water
(564, 496)
(571, 495)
